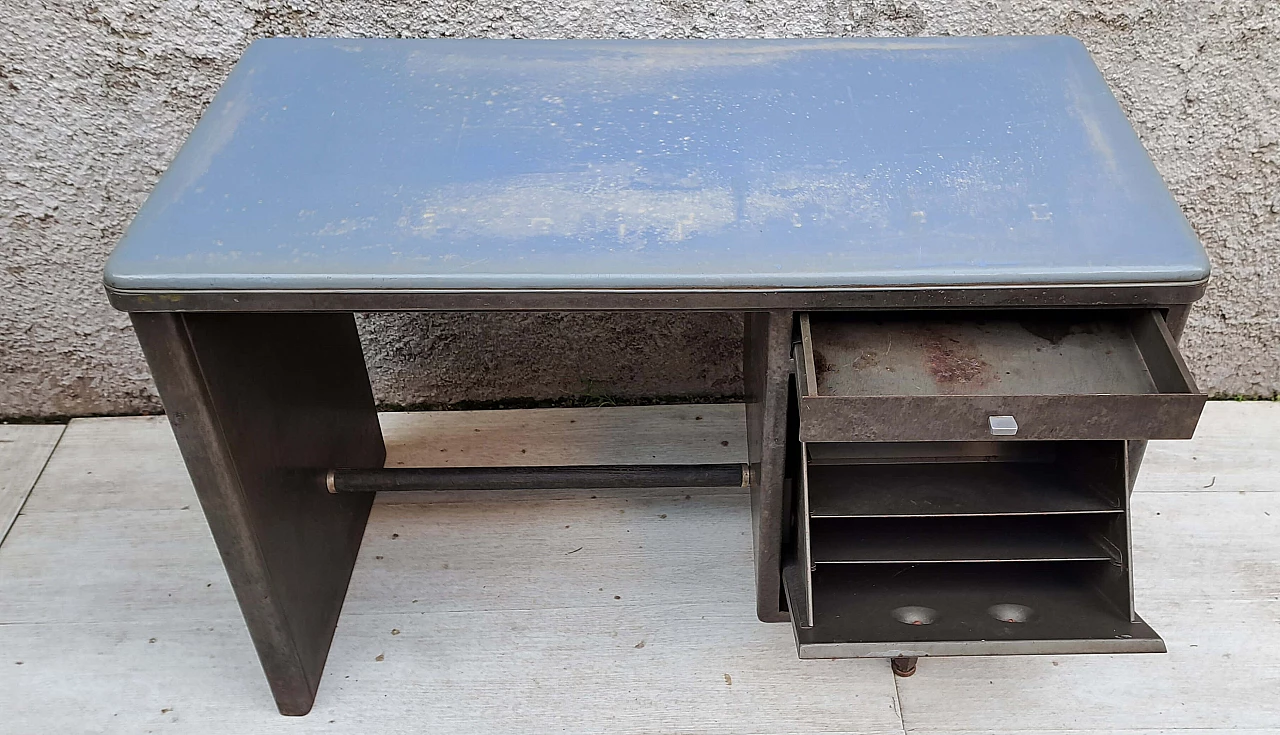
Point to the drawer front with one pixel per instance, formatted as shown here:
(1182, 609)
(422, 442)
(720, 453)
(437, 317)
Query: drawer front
(992, 377)
(967, 418)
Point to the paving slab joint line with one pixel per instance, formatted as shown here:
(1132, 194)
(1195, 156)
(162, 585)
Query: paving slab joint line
(897, 701)
(45, 465)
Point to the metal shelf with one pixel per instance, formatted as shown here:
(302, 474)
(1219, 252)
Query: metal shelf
(948, 540)
(960, 489)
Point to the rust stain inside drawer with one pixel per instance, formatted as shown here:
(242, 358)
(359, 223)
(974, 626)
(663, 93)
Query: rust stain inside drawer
(1035, 354)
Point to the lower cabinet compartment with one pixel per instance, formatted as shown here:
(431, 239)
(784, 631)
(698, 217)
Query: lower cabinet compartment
(968, 609)
(965, 548)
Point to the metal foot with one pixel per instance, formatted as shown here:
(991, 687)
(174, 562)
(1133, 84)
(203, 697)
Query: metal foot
(904, 665)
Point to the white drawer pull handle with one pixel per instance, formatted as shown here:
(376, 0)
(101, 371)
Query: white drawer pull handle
(1002, 425)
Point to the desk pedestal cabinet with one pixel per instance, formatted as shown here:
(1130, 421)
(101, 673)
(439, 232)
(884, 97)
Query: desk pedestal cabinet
(961, 278)
(962, 479)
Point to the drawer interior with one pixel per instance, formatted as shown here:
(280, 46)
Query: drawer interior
(948, 548)
(989, 353)
(1013, 375)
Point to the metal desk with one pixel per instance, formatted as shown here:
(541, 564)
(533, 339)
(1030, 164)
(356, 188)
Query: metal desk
(782, 179)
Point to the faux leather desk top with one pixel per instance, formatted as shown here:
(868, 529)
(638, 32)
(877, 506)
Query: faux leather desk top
(367, 165)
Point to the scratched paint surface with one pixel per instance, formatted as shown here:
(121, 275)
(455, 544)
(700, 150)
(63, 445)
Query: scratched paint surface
(368, 164)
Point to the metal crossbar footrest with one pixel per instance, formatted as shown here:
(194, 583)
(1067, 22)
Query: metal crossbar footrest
(537, 478)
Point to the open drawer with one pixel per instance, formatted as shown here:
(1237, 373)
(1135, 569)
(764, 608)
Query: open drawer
(1034, 374)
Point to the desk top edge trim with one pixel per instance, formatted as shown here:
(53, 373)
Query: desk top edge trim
(659, 299)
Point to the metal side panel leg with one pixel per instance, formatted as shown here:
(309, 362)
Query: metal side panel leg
(262, 405)
(766, 374)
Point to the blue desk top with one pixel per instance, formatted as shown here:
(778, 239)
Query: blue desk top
(328, 164)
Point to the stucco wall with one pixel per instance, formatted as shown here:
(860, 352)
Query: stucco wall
(96, 97)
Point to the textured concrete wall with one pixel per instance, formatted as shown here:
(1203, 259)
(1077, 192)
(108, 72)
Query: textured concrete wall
(97, 95)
